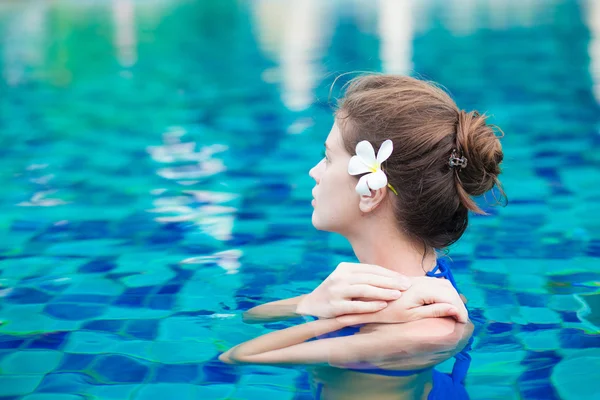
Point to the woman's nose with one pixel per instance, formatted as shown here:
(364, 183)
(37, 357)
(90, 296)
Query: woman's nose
(313, 172)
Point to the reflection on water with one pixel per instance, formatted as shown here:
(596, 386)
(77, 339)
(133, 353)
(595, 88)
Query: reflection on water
(592, 14)
(125, 40)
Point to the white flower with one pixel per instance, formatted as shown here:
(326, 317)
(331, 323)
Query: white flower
(365, 161)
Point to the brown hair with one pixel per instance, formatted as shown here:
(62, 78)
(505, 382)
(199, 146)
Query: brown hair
(425, 126)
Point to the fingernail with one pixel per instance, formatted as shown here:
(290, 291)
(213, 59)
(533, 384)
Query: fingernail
(396, 294)
(382, 304)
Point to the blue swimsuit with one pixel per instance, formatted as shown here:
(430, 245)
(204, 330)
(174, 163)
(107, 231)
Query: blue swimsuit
(445, 386)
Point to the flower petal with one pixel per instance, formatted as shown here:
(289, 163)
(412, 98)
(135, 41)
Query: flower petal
(377, 180)
(356, 166)
(366, 152)
(362, 187)
(385, 151)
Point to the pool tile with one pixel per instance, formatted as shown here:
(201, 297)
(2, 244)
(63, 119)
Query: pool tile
(28, 362)
(214, 371)
(182, 328)
(144, 329)
(571, 317)
(74, 312)
(104, 325)
(181, 352)
(257, 393)
(280, 380)
(170, 289)
(131, 301)
(161, 302)
(503, 314)
(540, 340)
(86, 248)
(93, 229)
(11, 341)
(83, 298)
(26, 324)
(490, 278)
(28, 296)
(87, 284)
(49, 340)
(98, 265)
(119, 369)
(90, 342)
(497, 297)
(536, 315)
(168, 391)
(113, 392)
(65, 383)
(570, 385)
(495, 328)
(578, 339)
(156, 276)
(485, 391)
(134, 313)
(14, 385)
(504, 343)
(133, 348)
(532, 300)
(176, 373)
(53, 396)
(215, 391)
(75, 362)
(537, 390)
(497, 363)
(566, 302)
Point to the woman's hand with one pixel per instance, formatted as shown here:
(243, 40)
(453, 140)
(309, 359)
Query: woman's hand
(427, 298)
(354, 289)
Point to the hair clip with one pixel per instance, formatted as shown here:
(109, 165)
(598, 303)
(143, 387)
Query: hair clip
(455, 161)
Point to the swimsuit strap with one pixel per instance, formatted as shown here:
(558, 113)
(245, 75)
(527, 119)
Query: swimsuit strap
(442, 270)
(319, 391)
(463, 359)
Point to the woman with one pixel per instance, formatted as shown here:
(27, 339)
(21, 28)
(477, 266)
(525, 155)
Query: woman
(411, 200)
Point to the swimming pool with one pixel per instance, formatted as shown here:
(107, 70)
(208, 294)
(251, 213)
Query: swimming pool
(154, 167)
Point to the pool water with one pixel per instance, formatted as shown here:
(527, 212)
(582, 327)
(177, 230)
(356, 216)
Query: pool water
(154, 170)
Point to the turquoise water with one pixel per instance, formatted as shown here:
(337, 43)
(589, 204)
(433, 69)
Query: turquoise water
(154, 169)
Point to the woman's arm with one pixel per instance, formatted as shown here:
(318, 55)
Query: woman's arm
(273, 311)
(247, 352)
(350, 289)
(417, 344)
(347, 294)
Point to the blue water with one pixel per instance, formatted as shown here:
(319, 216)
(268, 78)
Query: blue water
(154, 169)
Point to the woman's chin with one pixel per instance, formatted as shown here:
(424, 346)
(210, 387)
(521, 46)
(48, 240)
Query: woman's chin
(315, 222)
(319, 225)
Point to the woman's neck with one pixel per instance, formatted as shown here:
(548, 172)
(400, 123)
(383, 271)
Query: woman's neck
(389, 248)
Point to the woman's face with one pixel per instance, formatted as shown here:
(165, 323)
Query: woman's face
(335, 201)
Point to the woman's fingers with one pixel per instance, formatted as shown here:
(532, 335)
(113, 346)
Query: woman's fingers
(359, 307)
(367, 292)
(376, 270)
(379, 281)
(437, 310)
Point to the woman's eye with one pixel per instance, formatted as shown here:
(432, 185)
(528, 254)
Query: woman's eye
(325, 156)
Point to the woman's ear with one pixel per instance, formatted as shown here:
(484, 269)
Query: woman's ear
(370, 203)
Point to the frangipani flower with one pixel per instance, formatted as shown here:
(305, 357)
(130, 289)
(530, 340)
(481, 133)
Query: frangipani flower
(365, 161)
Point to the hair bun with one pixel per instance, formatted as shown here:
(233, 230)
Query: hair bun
(478, 143)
